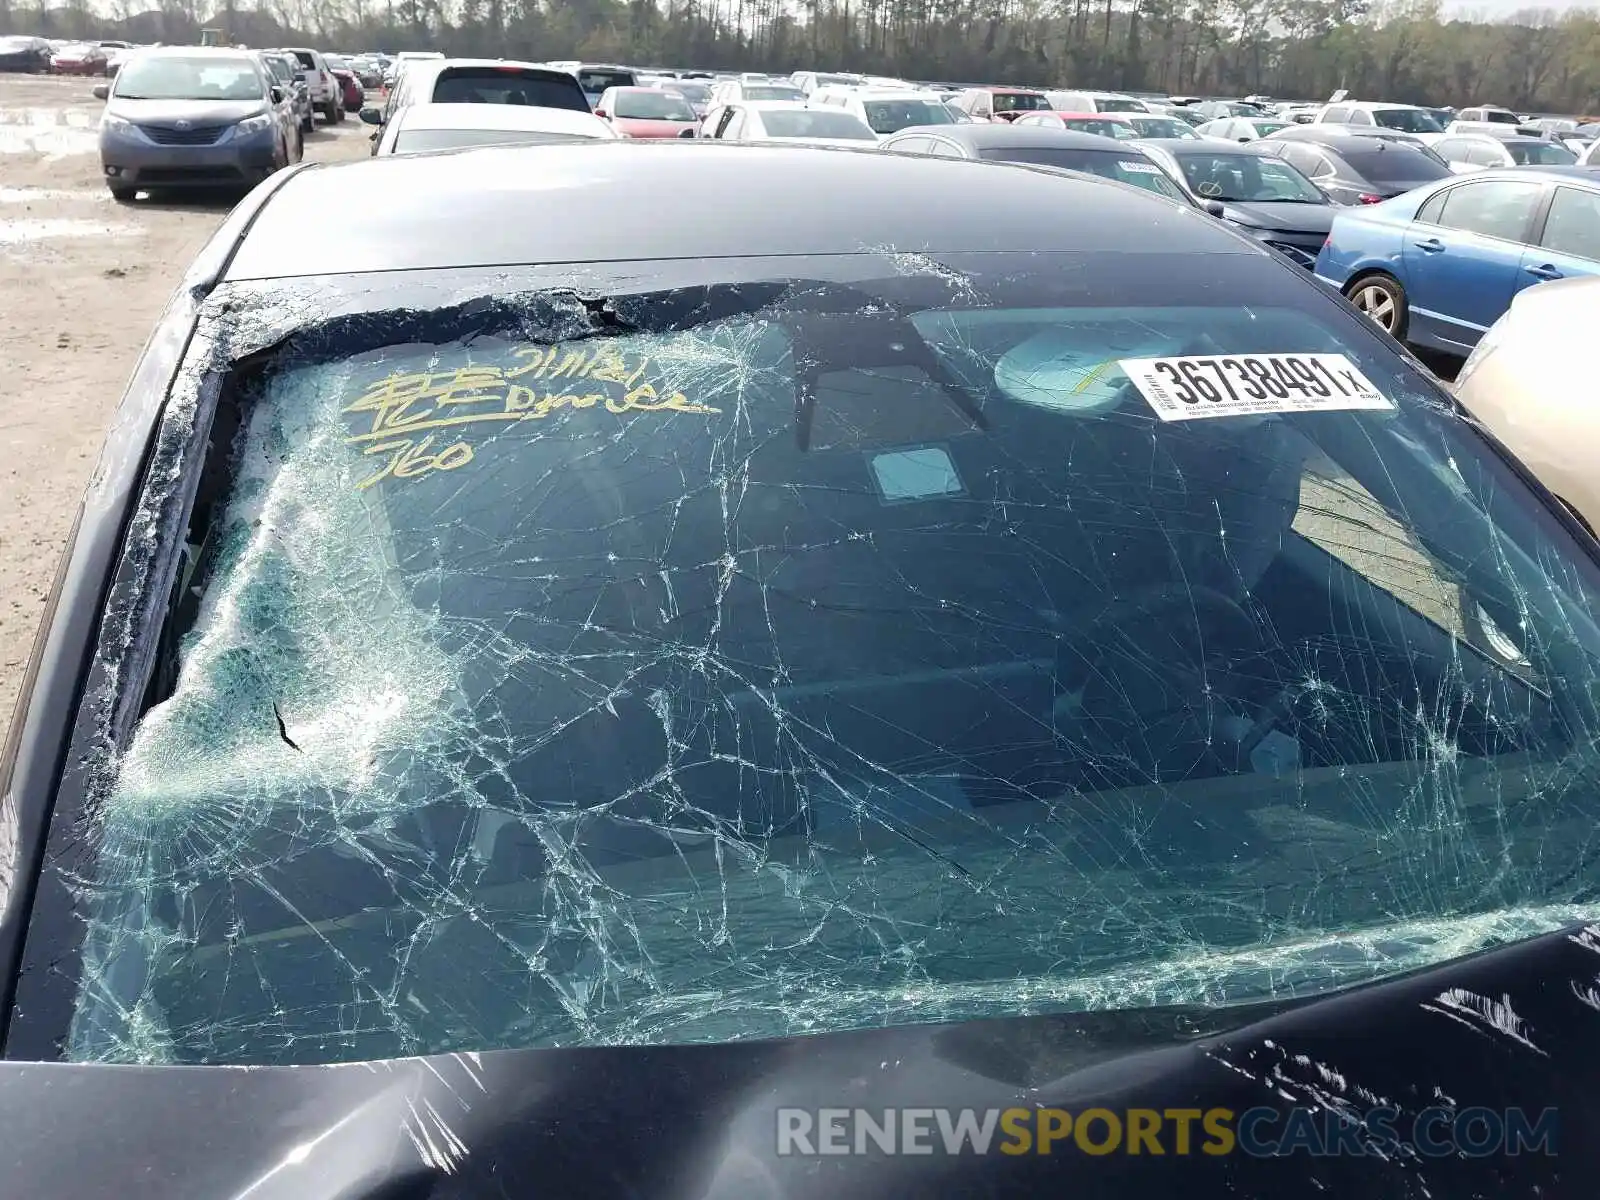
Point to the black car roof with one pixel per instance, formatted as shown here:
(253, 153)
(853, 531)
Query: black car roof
(981, 135)
(614, 201)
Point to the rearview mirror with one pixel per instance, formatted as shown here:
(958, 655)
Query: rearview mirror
(101, 91)
(688, 133)
(371, 116)
(1213, 207)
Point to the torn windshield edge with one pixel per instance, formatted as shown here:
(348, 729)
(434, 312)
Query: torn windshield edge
(254, 326)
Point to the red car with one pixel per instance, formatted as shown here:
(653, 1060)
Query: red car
(350, 88)
(642, 112)
(81, 58)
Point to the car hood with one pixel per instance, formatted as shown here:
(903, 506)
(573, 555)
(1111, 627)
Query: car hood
(1293, 218)
(1511, 1029)
(201, 112)
(641, 128)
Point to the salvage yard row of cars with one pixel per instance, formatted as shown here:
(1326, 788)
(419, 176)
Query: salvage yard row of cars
(543, 701)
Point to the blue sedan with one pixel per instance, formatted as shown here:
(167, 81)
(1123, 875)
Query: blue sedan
(1438, 265)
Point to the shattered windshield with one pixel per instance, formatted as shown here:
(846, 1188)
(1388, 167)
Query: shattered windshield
(753, 659)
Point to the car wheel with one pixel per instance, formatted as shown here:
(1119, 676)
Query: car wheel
(327, 112)
(338, 114)
(1381, 299)
(309, 124)
(124, 195)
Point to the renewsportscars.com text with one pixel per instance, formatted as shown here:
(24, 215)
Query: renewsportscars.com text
(1257, 1132)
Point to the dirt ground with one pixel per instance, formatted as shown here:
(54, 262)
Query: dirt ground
(82, 281)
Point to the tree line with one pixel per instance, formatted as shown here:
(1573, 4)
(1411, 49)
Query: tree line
(1405, 50)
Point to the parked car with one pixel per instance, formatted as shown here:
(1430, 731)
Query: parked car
(887, 112)
(27, 55)
(1465, 153)
(1039, 146)
(1153, 126)
(1110, 124)
(351, 94)
(506, 624)
(191, 117)
(596, 78)
(1240, 129)
(1001, 104)
(797, 124)
(423, 127)
(286, 73)
(744, 91)
(1357, 169)
(1440, 264)
(285, 106)
(1520, 378)
(79, 58)
(643, 112)
(479, 81)
(697, 94)
(1095, 102)
(1405, 118)
(326, 95)
(1248, 187)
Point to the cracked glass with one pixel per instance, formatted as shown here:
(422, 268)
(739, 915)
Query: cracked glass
(835, 649)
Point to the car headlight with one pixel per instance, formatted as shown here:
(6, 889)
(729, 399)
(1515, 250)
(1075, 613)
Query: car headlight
(112, 124)
(254, 124)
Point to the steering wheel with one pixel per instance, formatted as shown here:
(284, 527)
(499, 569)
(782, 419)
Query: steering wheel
(1140, 693)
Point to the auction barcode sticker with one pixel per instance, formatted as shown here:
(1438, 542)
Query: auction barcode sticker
(1238, 385)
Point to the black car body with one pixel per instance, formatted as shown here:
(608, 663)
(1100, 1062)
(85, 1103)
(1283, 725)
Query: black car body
(1286, 211)
(26, 55)
(286, 71)
(1354, 169)
(798, 690)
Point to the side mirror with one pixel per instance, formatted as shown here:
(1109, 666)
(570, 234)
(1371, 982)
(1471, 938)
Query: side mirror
(688, 133)
(277, 95)
(1244, 139)
(371, 116)
(599, 112)
(1212, 207)
(101, 91)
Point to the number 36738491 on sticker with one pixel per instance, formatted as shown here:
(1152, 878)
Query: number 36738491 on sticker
(1182, 389)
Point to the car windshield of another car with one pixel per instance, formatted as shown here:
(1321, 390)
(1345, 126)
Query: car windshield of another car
(755, 654)
(335, 63)
(171, 77)
(1020, 102)
(1538, 152)
(814, 123)
(595, 81)
(1100, 126)
(645, 105)
(1407, 120)
(1247, 177)
(761, 91)
(1163, 127)
(891, 116)
(694, 93)
(501, 85)
(412, 141)
(1125, 166)
(1119, 104)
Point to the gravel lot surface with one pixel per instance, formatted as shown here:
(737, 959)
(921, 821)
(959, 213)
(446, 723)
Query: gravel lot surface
(82, 281)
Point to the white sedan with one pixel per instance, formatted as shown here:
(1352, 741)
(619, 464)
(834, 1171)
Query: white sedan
(774, 120)
(417, 127)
